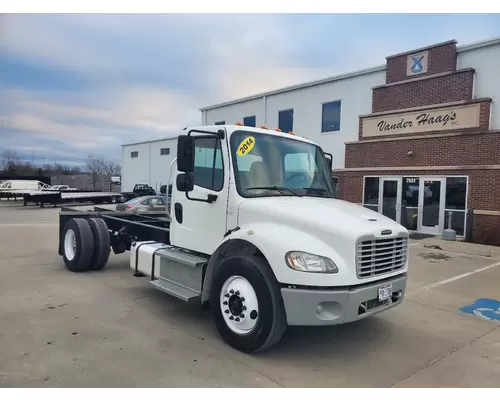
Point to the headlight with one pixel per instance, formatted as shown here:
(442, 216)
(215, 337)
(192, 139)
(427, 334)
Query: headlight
(300, 261)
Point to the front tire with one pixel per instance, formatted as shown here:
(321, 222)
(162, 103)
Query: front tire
(247, 304)
(78, 245)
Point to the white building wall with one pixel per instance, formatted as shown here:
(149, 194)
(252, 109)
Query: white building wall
(160, 164)
(354, 92)
(485, 60)
(355, 95)
(150, 167)
(236, 112)
(134, 170)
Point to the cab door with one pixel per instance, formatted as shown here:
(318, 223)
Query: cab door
(199, 216)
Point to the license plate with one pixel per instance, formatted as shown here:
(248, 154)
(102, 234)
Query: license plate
(385, 292)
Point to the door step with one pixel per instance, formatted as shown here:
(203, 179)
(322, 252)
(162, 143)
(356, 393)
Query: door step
(181, 257)
(177, 290)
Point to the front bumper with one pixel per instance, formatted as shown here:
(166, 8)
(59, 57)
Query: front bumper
(309, 307)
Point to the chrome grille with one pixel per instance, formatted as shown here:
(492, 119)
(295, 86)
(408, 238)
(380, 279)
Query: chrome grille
(380, 256)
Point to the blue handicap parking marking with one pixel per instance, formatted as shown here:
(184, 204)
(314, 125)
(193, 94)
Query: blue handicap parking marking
(488, 309)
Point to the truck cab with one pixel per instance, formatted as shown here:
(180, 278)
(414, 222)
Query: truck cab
(270, 194)
(258, 234)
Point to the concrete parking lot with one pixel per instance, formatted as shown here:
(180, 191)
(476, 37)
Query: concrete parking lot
(110, 329)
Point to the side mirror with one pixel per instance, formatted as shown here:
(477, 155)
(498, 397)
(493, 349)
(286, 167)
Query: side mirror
(185, 154)
(329, 160)
(184, 182)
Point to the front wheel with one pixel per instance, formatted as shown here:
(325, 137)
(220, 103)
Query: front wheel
(247, 304)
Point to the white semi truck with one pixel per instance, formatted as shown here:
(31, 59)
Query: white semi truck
(257, 233)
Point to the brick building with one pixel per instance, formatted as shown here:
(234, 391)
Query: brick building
(416, 138)
(427, 151)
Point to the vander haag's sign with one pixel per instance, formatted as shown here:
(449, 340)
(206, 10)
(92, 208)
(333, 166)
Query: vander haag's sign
(442, 119)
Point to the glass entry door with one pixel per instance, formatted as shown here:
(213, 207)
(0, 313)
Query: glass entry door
(432, 192)
(410, 202)
(390, 198)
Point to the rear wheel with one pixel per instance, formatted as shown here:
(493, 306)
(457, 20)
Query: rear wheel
(102, 246)
(247, 305)
(78, 244)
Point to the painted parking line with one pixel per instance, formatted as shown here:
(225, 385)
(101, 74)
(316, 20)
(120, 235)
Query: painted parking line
(456, 278)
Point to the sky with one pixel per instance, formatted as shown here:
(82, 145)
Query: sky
(76, 85)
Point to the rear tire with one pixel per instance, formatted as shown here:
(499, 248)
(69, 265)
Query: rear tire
(78, 245)
(102, 244)
(245, 289)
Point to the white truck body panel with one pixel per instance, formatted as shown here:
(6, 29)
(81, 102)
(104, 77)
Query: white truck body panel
(325, 227)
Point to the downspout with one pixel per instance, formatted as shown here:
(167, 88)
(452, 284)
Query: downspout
(264, 98)
(149, 172)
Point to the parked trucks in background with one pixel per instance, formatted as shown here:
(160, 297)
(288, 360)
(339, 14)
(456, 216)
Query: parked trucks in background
(140, 189)
(256, 233)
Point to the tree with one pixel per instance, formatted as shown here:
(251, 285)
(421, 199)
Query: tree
(10, 162)
(111, 169)
(96, 166)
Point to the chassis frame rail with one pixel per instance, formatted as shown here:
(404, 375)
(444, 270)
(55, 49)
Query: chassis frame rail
(123, 228)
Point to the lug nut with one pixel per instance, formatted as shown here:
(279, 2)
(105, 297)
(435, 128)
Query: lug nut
(244, 308)
(237, 293)
(242, 298)
(231, 291)
(226, 295)
(226, 311)
(242, 315)
(231, 317)
(225, 303)
(237, 319)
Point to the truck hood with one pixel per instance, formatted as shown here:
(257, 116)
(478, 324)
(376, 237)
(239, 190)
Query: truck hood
(319, 216)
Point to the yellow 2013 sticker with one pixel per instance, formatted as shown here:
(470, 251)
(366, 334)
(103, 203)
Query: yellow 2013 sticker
(246, 146)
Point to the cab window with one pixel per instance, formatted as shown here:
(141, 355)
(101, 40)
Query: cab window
(208, 167)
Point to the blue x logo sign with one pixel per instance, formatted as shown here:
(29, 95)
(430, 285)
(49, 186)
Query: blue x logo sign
(417, 64)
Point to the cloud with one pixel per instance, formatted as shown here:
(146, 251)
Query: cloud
(74, 84)
(124, 108)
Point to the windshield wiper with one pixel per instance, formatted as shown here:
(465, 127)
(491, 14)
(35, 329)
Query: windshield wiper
(319, 190)
(280, 188)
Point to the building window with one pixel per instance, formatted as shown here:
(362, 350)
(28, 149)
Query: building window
(331, 117)
(220, 123)
(249, 121)
(208, 167)
(370, 196)
(134, 154)
(165, 151)
(456, 197)
(285, 120)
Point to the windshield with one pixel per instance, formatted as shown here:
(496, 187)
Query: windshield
(268, 165)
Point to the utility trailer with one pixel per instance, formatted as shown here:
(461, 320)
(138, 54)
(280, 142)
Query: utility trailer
(256, 233)
(55, 197)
